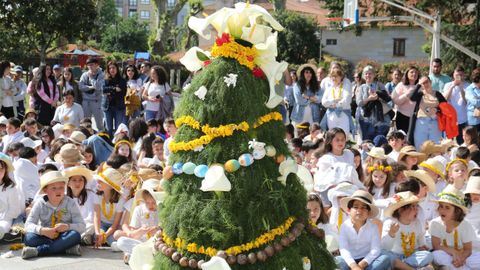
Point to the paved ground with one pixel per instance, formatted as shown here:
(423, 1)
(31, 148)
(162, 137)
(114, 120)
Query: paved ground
(91, 259)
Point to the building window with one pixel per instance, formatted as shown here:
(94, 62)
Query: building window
(132, 3)
(145, 2)
(171, 3)
(132, 13)
(399, 47)
(144, 14)
(120, 11)
(331, 41)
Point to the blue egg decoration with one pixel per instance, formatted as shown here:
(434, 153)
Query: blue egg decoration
(189, 167)
(200, 171)
(245, 160)
(177, 168)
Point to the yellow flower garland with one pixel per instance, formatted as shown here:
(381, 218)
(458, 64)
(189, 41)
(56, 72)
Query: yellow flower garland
(235, 250)
(244, 55)
(215, 132)
(385, 169)
(410, 241)
(455, 240)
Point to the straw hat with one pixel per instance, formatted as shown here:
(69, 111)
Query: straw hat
(150, 185)
(69, 154)
(410, 150)
(429, 147)
(377, 152)
(69, 126)
(77, 137)
(52, 177)
(343, 189)
(3, 120)
(399, 200)
(112, 178)
(300, 68)
(452, 196)
(27, 142)
(473, 185)
(435, 165)
(7, 161)
(424, 178)
(364, 197)
(30, 110)
(78, 170)
(147, 173)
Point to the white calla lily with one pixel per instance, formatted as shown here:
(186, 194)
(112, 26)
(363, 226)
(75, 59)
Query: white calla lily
(191, 61)
(274, 72)
(287, 167)
(216, 180)
(256, 34)
(255, 11)
(218, 20)
(201, 92)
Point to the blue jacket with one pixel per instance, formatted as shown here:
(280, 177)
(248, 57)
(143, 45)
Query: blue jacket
(472, 95)
(101, 149)
(301, 104)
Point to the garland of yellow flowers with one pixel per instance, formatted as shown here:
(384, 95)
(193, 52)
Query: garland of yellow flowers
(235, 250)
(340, 219)
(455, 240)
(110, 211)
(407, 251)
(385, 169)
(215, 132)
(59, 217)
(226, 46)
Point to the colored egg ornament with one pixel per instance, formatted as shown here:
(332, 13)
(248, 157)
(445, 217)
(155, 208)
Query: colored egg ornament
(232, 165)
(188, 167)
(280, 158)
(259, 153)
(245, 160)
(167, 172)
(271, 151)
(177, 168)
(200, 171)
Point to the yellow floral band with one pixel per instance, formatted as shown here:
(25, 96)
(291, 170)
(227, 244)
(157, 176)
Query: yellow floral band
(215, 132)
(385, 169)
(449, 164)
(226, 46)
(123, 142)
(110, 182)
(235, 250)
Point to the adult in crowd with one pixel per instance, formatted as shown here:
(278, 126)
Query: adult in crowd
(289, 99)
(396, 78)
(438, 79)
(306, 96)
(68, 82)
(472, 95)
(113, 101)
(17, 75)
(134, 87)
(454, 93)
(8, 90)
(373, 102)
(69, 111)
(424, 123)
(145, 70)
(91, 84)
(357, 82)
(57, 72)
(44, 94)
(404, 106)
(159, 105)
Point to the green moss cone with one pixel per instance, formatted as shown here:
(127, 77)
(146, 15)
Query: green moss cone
(258, 202)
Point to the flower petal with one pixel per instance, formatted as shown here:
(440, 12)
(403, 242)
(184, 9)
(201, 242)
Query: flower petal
(191, 61)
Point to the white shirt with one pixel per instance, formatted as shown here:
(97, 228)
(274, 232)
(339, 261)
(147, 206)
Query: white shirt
(8, 139)
(154, 90)
(118, 208)
(429, 209)
(473, 217)
(88, 208)
(12, 205)
(457, 101)
(26, 177)
(364, 244)
(72, 115)
(7, 84)
(393, 155)
(395, 244)
(465, 232)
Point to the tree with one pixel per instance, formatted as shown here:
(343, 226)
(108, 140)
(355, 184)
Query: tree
(107, 16)
(166, 21)
(297, 43)
(42, 23)
(127, 36)
(279, 4)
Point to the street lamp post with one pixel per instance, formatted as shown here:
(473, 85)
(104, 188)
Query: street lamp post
(318, 34)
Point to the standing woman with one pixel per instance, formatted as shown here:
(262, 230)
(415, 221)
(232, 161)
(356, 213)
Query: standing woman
(372, 100)
(113, 100)
(401, 99)
(69, 83)
(307, 97)
(9, 108)
(134, 87)
(156, 92)
(337, 96)
(44, 94)
(423, 123)
(472, 95)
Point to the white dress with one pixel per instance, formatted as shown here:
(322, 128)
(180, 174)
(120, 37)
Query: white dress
(337, 98)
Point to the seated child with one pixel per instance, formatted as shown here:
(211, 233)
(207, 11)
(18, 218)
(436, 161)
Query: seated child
(457, 173)
(319, 217)
(436, 170)
(403, 235)
(11, 199)
(357, 253)
(472, 200)
(55, 222)
(451, 234)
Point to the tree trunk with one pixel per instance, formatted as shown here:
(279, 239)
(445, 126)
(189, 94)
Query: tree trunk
(165, 24)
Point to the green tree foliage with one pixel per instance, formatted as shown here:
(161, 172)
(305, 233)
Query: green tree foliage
(297, 43)
(42, 23)
(127, 36)
(165, 40)
(107, 16)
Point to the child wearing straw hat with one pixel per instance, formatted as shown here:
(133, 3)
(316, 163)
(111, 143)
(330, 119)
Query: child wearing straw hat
(356, 253)
(55, 222)
(457, 173)
(108, 206)
(436, 170)
(335, 194)
(403, 235)
(11, 199)
(451, 234)
(78, 177)
(410, 157)
(472, 200)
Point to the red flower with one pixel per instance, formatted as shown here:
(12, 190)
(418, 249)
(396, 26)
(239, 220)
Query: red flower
(207, 62)
(258, 72)
(225, 38)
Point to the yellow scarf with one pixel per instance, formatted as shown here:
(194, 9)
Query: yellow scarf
(339, 93)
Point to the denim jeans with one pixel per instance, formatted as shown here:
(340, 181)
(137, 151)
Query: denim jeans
(426, 128)
(47, 246)
(114, 114)
(382, 262)
(371, 130)
(150, 115)
(105, 226)
(418, 259)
